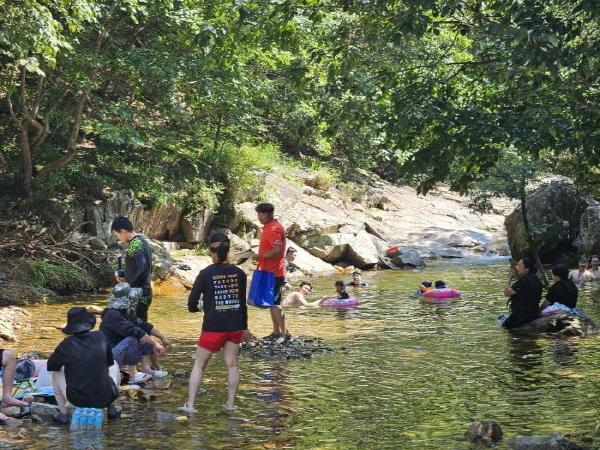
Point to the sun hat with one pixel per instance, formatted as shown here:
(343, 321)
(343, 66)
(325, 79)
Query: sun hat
(79, 320)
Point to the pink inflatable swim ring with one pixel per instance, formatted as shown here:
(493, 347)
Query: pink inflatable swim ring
(442, 293)
(340, 302)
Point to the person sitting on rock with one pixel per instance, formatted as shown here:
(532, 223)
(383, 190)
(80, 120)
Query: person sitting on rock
(82, 375)
(298, 297)
(525, 294)
(222, 288)
(290, 256)
(130, 337)
(9, 366)
(582, 275)
(562, 295)
(357, 279)
(595, 269)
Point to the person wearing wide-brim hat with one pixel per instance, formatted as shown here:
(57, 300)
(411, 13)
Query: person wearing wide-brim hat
(80, 368)
(130, 337)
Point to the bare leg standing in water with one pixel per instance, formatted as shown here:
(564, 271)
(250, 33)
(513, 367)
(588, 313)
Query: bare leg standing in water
(230, 355)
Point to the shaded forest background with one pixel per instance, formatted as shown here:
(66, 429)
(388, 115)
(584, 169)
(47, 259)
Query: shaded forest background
(186, 99)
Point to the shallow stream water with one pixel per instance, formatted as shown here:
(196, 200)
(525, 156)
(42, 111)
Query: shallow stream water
(405, 375)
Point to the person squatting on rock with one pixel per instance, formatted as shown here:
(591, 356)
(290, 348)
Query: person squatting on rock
(83, 369)
(271, 259)
(130, 337)
(222, 288)
(138, 262)
(9, 367)
(525, 294)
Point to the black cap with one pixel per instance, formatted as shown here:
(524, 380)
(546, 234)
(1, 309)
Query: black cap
(79, 320)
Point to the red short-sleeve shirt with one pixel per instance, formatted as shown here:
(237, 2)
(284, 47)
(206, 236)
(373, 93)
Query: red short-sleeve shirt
(273, 234)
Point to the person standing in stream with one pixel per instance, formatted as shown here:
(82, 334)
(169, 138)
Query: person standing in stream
(271, 256)
(222, 288)
(138, 263)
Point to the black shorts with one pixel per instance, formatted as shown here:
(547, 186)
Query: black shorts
(1, 356)
(279, 283)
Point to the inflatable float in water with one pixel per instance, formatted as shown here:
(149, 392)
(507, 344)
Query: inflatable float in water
(442, 293)
(340, 302)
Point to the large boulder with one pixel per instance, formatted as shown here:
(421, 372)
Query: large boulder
(363, 251)
(161, 222)
(101, 214)
(560, 323)
(307, 263)
(554, 210)
(590, 231)
(195, 227)
(331, 248)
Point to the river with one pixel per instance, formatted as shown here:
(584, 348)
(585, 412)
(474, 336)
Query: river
(405, 375)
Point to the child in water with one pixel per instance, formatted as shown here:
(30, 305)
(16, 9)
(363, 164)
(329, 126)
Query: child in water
(425, 286)
(340, 289)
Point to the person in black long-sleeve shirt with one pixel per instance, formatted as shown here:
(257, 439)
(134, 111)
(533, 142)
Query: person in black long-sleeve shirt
(129, 336)
(222, 287)
(80, 366)
(562, 295)
(525, 295)
(138, 262)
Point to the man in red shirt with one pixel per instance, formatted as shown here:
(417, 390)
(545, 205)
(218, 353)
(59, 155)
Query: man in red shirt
(271, 255)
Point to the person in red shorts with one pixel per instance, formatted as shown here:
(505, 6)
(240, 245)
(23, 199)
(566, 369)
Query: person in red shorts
(222, 287)
(271, 258)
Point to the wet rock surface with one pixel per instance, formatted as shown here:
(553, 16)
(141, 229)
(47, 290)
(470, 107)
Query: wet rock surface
(12, 318)
(295, 347)
(553, 442)
(486, 432)
(562, 324)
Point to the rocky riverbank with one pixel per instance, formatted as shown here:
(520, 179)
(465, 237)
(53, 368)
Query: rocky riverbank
(68, 247)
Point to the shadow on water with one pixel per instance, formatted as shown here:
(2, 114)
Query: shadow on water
(405, 374)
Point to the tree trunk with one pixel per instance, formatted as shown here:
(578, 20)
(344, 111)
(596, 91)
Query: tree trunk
(72, 144)
(530, 241)
(25, 164)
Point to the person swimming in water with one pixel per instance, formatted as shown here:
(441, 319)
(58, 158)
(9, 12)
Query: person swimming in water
(340, 289)
(298, 297)
(357, 279)
(425, 286)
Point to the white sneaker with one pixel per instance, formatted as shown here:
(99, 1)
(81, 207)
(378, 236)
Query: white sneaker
(156, 374)
(187, 409)
(140, 377)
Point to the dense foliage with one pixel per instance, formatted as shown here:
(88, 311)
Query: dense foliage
(182, 97)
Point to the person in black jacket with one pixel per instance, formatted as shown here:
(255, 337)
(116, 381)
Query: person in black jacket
(130, 337)
(525, 295)
(222, 287)
(562, 295)
(80, 366)
(138, 263)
